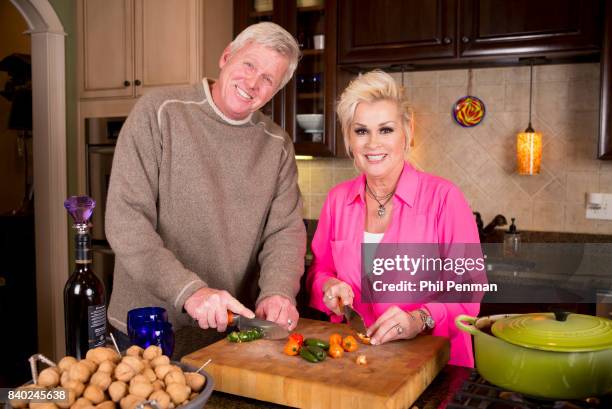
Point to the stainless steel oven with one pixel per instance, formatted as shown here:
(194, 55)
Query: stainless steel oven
(101, 137)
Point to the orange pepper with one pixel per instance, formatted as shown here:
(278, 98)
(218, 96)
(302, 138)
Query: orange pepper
(350, 344)
(335, 350)
(335, 339)
(292, 348)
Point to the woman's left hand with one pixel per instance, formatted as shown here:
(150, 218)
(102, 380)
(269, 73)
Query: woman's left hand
(395, 323)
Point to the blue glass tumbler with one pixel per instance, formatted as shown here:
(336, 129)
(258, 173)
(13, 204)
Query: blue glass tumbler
(145, 327)
(137, 316)
(149, 333)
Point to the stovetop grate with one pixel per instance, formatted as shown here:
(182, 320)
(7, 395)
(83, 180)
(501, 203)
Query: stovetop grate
(476, 393)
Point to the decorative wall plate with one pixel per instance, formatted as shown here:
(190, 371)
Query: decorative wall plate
(469, 111)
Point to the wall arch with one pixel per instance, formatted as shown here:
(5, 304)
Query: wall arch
(50, 169)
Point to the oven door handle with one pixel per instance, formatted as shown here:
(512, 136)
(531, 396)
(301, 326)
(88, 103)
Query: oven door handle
(106, 150)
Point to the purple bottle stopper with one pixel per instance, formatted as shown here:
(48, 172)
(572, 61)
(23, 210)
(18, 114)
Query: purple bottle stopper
(80, 208)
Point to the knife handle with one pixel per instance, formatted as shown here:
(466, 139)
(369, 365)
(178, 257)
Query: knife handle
(231, 317)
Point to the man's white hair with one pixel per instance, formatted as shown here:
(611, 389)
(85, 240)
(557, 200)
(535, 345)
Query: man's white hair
(272, 36)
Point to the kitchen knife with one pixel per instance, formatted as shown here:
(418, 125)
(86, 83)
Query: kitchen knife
(354, 320)
(271, 330)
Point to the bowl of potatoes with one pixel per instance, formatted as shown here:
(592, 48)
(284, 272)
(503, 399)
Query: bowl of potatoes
(140, 379)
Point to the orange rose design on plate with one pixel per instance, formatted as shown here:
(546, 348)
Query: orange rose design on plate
(469, 111)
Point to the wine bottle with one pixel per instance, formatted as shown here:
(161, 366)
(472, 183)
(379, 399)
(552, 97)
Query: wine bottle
(84, 299)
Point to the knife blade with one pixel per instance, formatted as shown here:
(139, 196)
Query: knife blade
(271, 330)
(354, 320)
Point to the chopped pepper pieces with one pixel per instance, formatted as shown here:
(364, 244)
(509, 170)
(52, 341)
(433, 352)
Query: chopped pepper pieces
(350, 344)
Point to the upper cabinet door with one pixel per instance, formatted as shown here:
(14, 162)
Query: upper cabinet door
(166, 43)
(498, 27)
(395, 30)
(106, 50)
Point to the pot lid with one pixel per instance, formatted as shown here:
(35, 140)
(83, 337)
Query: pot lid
(561, 332)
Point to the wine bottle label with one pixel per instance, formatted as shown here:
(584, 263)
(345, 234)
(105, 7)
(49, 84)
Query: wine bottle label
(96, 323)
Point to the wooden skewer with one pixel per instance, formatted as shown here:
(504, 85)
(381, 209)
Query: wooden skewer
(115, 343)
(205, 363)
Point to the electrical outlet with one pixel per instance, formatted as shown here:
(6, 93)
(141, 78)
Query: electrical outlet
(599, 206)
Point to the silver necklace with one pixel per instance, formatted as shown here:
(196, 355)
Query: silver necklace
(381, 200)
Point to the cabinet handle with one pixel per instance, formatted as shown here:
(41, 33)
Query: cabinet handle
(447, 40)
(465, 39)
(137, 82)
(126, 83)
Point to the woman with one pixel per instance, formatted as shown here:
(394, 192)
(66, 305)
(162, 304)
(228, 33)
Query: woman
(390, 202)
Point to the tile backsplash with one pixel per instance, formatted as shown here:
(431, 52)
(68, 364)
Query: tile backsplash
(481, 160)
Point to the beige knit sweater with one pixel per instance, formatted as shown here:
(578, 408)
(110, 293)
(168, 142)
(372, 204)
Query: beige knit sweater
(197, 199)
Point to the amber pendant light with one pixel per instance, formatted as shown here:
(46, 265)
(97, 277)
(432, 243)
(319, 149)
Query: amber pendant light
(529, 142)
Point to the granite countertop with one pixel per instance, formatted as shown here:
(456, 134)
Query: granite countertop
(436, 396)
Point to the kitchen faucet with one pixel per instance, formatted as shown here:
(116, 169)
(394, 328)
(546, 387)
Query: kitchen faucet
(485, 231)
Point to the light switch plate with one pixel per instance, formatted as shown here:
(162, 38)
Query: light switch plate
(604, 212)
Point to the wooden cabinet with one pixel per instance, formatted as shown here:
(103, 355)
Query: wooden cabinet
(312, 90)
(128, 46)
(500, 27)
(461, 31)
(395, 30)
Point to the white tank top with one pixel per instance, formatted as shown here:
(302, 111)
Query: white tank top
(372, 237)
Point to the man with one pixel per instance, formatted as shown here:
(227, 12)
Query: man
(203, 202)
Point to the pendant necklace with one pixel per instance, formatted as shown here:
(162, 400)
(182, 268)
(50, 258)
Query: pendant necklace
(381, 200)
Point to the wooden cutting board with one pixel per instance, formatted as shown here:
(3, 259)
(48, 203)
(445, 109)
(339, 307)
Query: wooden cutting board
(396, 373)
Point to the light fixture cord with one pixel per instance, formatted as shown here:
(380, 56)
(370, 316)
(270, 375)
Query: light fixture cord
(530, 91)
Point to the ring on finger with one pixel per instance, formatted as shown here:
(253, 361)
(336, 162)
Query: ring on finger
(330, 297)
(399, 329)
(289, 321)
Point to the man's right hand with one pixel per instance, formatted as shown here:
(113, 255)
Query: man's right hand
(209, 308)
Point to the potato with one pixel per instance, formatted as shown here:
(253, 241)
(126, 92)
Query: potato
(160, 360)
(130, 401)
(195, 381)
(75, 386)
(174, 376)
(66, 362)
(193, 395)
(94, 394)
(82, 403)
(107, 366)
(139, 379)
(64, 378)
(162, 370)
(158, 385)
(142, 389)
(124, 372)
(149, 374)
(101, 354)
(80, 372)
(117, 390)
(65, 404)
(162, 398)
(101, 379)
(152, 352)
(134, 362)
(49, 377)
(178, 392)
(134, 350)
(107, 404)
(42, 405)
(90, 364)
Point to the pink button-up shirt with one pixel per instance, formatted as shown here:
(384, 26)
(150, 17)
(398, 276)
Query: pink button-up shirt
(426, 209)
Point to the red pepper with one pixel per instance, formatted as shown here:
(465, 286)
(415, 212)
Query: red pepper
(298, 338)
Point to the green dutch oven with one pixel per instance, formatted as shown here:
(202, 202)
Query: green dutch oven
(547, 355)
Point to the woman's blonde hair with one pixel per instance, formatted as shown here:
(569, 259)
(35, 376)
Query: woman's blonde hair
(370, 87)
(274, 37)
